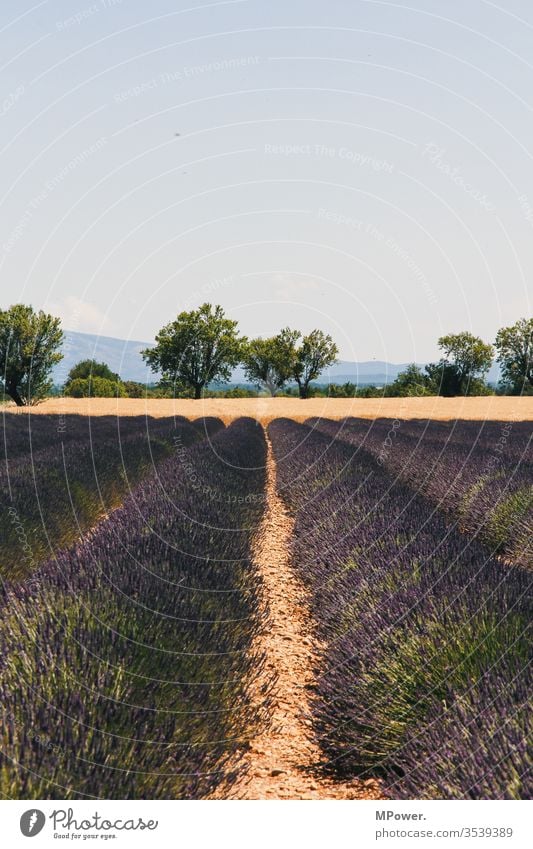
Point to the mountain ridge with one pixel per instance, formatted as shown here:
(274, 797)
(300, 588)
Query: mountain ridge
(123, 356)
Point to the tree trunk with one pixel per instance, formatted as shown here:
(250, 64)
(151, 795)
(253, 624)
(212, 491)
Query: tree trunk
(198, 391)
(303, 390)
(11, 390)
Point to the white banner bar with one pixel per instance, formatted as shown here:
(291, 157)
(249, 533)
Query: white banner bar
(273, 825)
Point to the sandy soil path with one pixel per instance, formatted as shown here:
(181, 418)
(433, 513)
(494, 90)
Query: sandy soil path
(280, 758)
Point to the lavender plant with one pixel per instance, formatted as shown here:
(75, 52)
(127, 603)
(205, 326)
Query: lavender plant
(51, 495)
(125, 660)
(415, 615)
(478, 473)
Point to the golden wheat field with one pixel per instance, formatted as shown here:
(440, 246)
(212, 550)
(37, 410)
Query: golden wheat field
(266, 409)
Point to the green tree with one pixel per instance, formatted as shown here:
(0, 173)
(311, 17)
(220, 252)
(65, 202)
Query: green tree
(515, 355)
(412, 382)
(29, 348)
(134, 389)
(461, 370)
(316, 352)
(268, 363)
(443, 378)
(238, 392)
(88, 369)
(197, 348)
(344, 390)
(95, 387)
(370, 391)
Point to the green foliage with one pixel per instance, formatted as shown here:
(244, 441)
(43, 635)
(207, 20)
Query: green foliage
(465, 362)
(345, 390)
(478, 386)
(87, 369)
(236, 392)
(420, 669)
(91, 379)
(229, 392)
(199, 347)
(411, 383)
(511, 518)
(370, 391)
(95, 387)
(443, 377)
(316, 352)
(515, 355)
(29, 348)
(470, 355)
(269, 362)
(134, 389)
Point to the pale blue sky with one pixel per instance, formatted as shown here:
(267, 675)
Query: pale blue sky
(361, 166)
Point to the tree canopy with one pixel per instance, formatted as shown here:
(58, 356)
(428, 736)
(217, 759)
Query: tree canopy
(29, 348)
(412, 382)
(463, 366)
(289, 355)
(90, 369)
(199, 347)
(316, 352)
(268, 363)
(95, 387)
(514, 346)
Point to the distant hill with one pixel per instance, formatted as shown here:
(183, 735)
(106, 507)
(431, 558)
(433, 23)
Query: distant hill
(121, 355)
(124, 357)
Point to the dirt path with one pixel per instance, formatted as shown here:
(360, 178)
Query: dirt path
(279, 758)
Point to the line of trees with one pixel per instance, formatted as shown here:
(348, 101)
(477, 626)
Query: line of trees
(465, 361)
(203, 346)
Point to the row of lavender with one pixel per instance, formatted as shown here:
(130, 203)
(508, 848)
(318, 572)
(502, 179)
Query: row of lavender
(425, 677)
(124, 661)
(58, 476)
(479, 473)
(26, 432)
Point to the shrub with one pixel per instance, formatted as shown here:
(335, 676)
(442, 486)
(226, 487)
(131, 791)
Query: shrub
(95, 387)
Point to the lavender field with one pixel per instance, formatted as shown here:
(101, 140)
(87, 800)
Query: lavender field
(124, 659)
(426, 674)
(145, 651)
